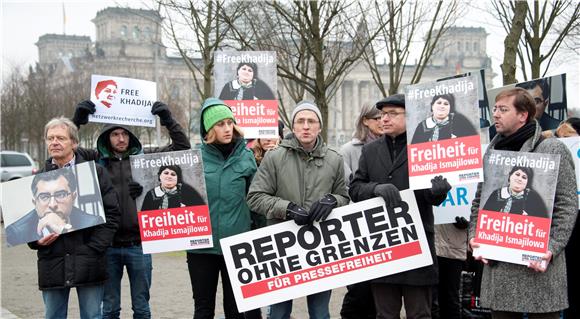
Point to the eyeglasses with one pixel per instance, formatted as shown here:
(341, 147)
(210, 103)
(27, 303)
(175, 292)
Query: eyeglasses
(501, 109)
(310, 122)
(59, 196)
(376, 118)
(391, 114)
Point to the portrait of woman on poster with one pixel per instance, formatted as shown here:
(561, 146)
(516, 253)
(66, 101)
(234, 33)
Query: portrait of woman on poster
(517, 197)
(444, 123)
(171, 192)
(246, 85)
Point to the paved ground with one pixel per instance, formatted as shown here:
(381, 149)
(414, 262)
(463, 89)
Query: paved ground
(170, 295)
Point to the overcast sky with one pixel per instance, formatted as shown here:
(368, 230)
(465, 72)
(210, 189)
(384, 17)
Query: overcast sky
(24, 21)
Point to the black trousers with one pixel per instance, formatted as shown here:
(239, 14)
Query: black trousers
(358, 302)
(389, 300)
(204, 270)
(446, 303)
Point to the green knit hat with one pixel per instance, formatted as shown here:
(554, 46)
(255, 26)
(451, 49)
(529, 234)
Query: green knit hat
(216, 113)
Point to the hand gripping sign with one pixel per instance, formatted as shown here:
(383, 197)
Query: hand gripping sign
(355, 243)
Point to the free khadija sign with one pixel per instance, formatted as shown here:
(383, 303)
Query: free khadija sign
(442, 132)
(172, 210)
(517, 200)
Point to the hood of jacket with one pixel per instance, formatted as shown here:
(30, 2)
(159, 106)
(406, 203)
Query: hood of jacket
(104, 144)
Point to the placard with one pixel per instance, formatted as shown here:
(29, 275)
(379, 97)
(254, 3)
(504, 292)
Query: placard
(246, 82)
(355, 243)
(172, 210)
(122, 100)
(443, 132)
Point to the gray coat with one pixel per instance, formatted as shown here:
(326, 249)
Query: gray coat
(290, 174)
(516, 288)
(351, 153)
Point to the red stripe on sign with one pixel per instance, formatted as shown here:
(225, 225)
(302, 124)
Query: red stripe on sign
(331, 269)
(255, 113)
(180, 222)
(455, 154)
(513, 231)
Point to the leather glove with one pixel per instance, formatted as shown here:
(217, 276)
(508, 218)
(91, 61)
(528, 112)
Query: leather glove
(440, 186)
(82, 112)
(389, 193)
(322, 208)
(135, 189)
(297, 213)
(162, 110)
(461, 222)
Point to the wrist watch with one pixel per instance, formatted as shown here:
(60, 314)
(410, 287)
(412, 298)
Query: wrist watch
(66, 228)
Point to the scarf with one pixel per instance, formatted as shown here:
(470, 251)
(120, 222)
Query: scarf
(166, 194)
(438, 125)
(243, 87)
(515, 141)
(508, 205)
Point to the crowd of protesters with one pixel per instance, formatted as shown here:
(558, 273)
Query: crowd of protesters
(248, 188)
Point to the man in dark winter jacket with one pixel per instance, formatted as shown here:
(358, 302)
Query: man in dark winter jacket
(75, 259)
(383, 171)
(114, 146)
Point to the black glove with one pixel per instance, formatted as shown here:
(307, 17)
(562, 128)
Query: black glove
(440, 186)
(461, 222)
(389, 193)
(322, 208)
(135, 189)
(162, 110)
(298, 213)
(82, 112)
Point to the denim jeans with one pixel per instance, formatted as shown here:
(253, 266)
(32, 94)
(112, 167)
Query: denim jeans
(139, 269)
(90, 298)
(317, 307)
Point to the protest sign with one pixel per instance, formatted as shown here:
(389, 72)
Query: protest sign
(246, 82)
(443, 130)
(123, 100)
(457, 204)
(355, 243)
(549, 94)
(59, 201)
(517, 199)
(573, 144)
(173, 211)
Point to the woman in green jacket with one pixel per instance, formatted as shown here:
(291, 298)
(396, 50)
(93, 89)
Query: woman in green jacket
(228, 168)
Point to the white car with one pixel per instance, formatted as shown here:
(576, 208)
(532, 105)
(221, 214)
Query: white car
(15, 165)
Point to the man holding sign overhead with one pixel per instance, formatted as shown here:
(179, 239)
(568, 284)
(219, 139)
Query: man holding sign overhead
(114, 146)
(511, 289)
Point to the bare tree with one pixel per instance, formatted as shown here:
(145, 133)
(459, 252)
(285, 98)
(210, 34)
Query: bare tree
(317, 43)
(403, 24)
(547, 26)
(511, 42)
(197, 31)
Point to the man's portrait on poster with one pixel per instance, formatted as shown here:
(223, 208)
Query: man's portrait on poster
(53, 196)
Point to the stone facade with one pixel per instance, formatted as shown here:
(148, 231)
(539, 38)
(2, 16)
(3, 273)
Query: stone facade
(128, 44)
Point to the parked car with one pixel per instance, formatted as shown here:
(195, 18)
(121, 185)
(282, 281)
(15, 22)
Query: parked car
(15, 165)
